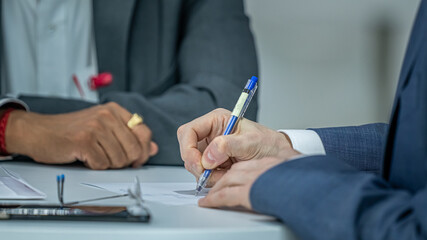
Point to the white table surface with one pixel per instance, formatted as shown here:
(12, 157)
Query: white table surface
(167, 222)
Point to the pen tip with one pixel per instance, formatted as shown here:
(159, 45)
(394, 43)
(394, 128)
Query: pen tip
(198, 189)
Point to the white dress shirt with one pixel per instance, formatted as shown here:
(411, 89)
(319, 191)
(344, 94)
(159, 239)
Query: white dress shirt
(306, 142)
(45, 43)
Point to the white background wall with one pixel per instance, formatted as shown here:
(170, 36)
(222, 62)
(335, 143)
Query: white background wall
(330, 62)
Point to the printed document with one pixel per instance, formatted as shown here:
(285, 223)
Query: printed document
(12, 186)
(167, 193)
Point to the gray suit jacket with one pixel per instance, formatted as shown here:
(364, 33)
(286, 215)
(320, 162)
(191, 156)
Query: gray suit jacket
(172, 61)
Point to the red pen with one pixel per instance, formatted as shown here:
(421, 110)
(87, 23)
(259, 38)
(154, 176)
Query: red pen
(79, 87)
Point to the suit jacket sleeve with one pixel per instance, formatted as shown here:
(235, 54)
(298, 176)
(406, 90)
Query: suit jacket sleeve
(215, 59)
(360, 146)
(320, 197)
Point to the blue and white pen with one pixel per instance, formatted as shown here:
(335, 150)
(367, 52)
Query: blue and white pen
(238, 112)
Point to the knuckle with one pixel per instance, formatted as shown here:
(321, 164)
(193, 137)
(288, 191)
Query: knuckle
(116, 159)
(104, 113)
(180, 131)
(145, 159)
(187, 166)
(191, 157)
(83, 136)
(148, 133)
(119, 164)
(185, 156)
(96, 165)
(103, 167)
(93, 124)
(135, 151)
(219, 110)
(143, 133)
(93, 160)
(221, 143)
(112, 105)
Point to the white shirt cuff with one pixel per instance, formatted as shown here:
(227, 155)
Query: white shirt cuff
(13, 102)
(306, 142)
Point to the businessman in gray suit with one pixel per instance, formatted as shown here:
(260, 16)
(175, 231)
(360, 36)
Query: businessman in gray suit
(170, 60)
(371, 184)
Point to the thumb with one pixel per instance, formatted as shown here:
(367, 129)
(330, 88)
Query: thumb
(219, 151)
(154, 149)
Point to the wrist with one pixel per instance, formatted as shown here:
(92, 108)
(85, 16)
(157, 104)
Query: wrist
(286, 140)
(16, 135)
(283, 144)
(3, 124)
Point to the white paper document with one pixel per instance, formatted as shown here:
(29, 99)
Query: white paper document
(12, 186)
(166, 193)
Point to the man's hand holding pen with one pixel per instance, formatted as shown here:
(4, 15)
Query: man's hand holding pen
(203, 146)
(98, 136)
(238, 158)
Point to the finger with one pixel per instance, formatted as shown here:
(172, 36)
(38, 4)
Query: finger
(190, 153)
(227, 197)
(257, 165)
(95, 157)
(231, 179)
(222, 148)
(128, 142)
(154, 149)
(215, 177)
(115, 152)
(143, 134)
(120, 144)
(193, 166)
(250, 165)
(126, 137)
(124, 114)
(202, 145)
(190, 134)
(210, 124)
(226, 165)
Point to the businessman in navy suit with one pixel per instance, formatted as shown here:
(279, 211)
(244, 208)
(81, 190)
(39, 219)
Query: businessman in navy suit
(371, 184)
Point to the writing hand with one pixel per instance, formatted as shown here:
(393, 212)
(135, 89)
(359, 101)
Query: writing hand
(203, 146)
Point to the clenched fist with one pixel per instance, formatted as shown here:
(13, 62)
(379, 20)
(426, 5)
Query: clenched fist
(97, 136)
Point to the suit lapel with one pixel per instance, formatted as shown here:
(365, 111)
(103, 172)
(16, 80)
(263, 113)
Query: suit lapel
(417, 39)
(112, 21)
(414, 44)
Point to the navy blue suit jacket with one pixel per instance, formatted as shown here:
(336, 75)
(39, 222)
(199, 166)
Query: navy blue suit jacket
(329, 197)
